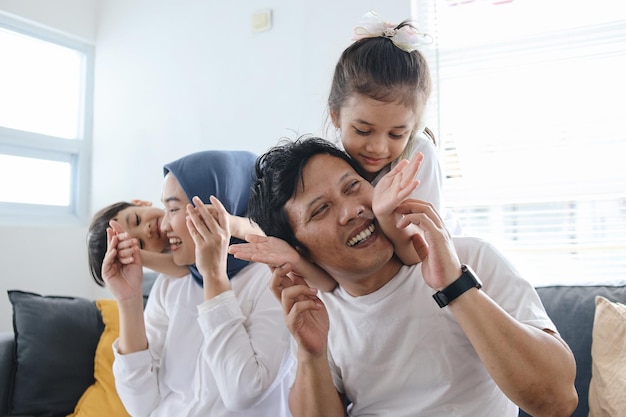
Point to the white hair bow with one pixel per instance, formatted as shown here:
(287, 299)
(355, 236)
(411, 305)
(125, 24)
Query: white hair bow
(406, 37)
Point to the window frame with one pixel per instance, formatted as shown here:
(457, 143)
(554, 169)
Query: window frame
(77, 152)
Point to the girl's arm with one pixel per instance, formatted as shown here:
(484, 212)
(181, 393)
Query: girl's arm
(274, 252)
(163, 263)
(396, 186)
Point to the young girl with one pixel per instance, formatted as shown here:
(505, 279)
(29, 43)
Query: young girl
(378, 95)
(377, 99)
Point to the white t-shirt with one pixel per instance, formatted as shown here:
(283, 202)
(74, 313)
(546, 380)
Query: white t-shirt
(228, 356)
(431, 182)
(394, 352)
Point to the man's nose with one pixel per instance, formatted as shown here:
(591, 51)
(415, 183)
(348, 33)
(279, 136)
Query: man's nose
(350, 211)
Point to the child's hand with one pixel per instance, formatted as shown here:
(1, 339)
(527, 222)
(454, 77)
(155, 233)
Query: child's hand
(124, 279)
(271, 251)
(396, 186)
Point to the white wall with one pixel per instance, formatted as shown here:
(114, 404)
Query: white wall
(174, 77)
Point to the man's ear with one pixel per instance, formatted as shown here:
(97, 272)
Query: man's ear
(142, 203)
(304, 253)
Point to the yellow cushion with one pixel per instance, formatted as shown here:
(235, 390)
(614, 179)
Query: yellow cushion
(101, 399)
(607, 390)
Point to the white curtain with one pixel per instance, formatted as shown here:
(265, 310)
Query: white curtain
(529, 109)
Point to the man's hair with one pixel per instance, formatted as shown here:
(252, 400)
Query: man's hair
(279, 173)
(97, 238)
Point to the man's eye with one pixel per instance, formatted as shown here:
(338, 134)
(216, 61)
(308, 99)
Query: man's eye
(319, 211)
(137, 220)
(352, 185)
(141, 245)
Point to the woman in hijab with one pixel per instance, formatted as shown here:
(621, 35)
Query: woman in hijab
(212, 343)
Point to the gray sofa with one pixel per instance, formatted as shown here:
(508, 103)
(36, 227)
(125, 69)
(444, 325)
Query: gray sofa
(571, 308)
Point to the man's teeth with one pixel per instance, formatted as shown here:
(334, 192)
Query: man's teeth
(361, 236)
(175, 241)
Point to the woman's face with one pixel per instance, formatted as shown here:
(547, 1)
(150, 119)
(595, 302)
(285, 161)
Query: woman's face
(374, 133)
(144, 224)
(174, 223)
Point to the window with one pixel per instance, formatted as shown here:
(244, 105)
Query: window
(46, 83)
(527, 107)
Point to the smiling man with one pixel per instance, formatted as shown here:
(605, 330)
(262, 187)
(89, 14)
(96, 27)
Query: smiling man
(379, 341)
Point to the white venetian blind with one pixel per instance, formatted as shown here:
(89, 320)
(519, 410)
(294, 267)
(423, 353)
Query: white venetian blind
(530, 114)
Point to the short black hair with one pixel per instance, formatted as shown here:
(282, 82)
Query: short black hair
(97, 238)
(279, 172)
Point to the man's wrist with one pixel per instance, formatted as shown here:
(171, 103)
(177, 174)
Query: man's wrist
(465, 282)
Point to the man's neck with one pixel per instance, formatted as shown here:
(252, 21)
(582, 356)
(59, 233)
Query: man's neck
(357, 285)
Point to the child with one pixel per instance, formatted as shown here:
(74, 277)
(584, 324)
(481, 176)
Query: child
(377, 99)
(378, 95)
(141, 223)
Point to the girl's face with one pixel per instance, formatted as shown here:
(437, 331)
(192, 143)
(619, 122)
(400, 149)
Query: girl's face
(374, 133)
(144, 223)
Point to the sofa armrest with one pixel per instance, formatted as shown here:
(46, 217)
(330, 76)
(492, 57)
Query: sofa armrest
(7, 357)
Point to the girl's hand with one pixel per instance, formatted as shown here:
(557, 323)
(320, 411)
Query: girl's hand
(122, 275)
(396, 186)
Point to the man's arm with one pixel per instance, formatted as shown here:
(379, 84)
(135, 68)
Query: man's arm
(534, 368)
(313, 392)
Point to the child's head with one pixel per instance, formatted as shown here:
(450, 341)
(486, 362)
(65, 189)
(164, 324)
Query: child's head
(377, 75)
(138, 219)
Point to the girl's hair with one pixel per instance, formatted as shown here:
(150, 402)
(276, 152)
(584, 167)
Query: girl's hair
(97, 238)
(378, 69)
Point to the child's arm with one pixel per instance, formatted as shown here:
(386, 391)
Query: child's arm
(391, 190)
(163, 263)
(276, 252)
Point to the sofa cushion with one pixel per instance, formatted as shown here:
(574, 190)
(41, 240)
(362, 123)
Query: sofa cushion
(572, 309)
(101, 398)
(56, 339)
(608, 352)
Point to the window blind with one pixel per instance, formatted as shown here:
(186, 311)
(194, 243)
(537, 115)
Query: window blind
(527, 108)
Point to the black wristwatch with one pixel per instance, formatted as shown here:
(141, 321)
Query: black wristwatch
(466, 281)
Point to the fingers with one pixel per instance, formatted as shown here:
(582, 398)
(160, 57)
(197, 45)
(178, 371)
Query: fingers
(411, 169)
(420, 213)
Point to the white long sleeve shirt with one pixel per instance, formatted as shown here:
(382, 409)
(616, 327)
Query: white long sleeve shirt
(228, 356)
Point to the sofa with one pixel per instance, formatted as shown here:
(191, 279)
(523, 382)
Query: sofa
(572, 308)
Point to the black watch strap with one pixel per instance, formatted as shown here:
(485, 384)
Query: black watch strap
(466, 281)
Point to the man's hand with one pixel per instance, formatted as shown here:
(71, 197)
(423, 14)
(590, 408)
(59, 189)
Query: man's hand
(440, 263)
(305, 314)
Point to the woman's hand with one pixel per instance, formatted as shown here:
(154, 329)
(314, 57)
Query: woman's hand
(211, 235)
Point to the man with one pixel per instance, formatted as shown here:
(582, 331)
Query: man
(380, 341)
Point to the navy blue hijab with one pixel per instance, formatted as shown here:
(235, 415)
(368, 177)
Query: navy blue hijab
(228, 175)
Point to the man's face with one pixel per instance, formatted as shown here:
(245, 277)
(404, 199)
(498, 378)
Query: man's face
(174, 222)
(331, 216)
